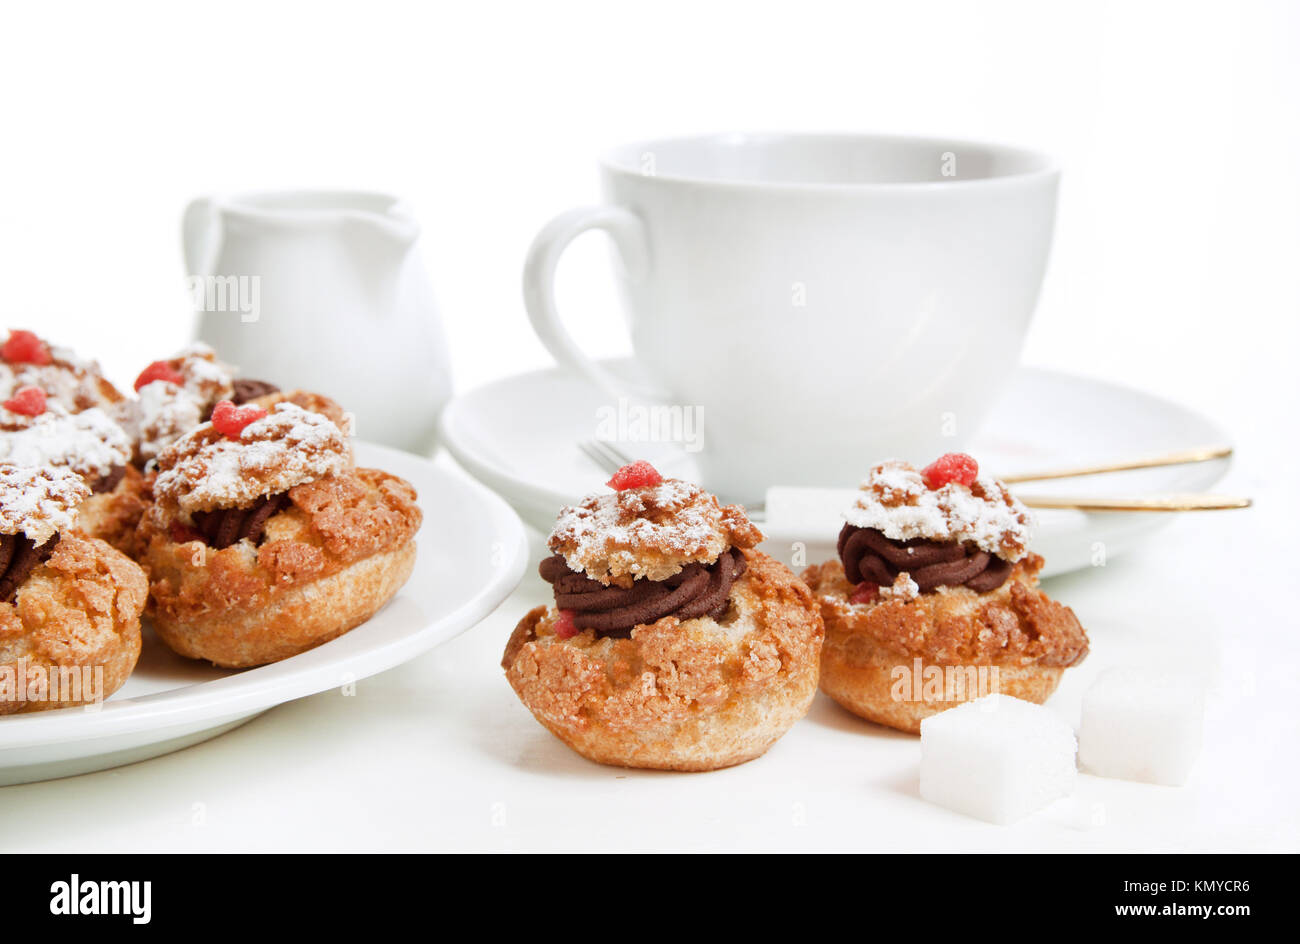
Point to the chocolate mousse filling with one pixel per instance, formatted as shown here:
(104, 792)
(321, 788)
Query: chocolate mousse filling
(107, 483)
(697, 590)
(18, 558)
(226, 526)
(868, 555)
(245, 389)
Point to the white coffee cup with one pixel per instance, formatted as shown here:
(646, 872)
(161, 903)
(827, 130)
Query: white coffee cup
(822, 301)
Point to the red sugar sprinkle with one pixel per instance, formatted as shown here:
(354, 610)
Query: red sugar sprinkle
(564, 628)
(24, 347)
(952, 467)
(29, 401)
(636, 475)
(229, 420)
(158, 370)
(864, 592)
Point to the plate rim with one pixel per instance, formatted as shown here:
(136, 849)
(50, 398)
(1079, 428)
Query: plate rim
(490, 474)
(309, 673)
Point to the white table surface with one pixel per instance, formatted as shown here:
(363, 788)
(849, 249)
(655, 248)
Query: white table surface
(1173, 269)
(439, 755)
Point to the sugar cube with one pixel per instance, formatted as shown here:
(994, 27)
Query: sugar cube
(996, 758)
(1142, 724)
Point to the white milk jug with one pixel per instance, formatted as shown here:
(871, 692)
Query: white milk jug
(323, 291)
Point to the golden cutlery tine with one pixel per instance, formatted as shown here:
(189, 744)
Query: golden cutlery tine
(1180, 457)
(1190, 502)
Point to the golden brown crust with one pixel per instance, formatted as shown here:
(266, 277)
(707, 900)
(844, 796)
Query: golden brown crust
(361, 520)
(81, 608)
(313, 402)
(1028, 637)
(693, 695)
(114, 516)
(293, 620)
(874, 684)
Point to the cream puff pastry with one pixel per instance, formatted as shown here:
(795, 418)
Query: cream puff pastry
(673, 643)
(934, 599)
(263, 539)
(70, 605)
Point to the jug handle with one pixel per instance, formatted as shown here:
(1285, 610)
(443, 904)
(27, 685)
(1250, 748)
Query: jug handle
(199, 237)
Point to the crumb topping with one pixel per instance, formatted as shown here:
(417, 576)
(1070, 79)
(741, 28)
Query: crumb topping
(895, 500)
(204, 470)
(652, 531)
(39, 502)
(904, 588)
(89, 443)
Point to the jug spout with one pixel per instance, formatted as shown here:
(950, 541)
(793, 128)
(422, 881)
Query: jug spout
(395, 226)
(377, 245)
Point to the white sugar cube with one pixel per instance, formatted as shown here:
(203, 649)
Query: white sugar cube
(996, 758)
(1142, 724)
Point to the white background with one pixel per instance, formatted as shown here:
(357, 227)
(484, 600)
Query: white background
(1174, 269)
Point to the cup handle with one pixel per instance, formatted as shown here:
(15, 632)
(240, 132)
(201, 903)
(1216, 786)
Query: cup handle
(629, 235)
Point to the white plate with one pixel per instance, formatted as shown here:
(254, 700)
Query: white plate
(472, 553)
(519, 436)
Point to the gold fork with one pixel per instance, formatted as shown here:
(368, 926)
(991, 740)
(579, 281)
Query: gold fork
(609, 457)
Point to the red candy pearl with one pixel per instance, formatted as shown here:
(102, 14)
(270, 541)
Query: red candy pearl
(636, 475)
(864, 592)
(24, 347)
(158, 370)
(564, 628)
(29, 401)
(954, 467)
(229, 420)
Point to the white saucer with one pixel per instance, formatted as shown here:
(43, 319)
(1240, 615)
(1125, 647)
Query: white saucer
(472, 553)
(520, 437)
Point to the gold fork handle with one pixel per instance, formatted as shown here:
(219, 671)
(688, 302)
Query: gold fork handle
(1181, 457)
(1194, 502)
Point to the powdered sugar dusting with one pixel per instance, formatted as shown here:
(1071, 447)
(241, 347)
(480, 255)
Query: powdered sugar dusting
(649, 532)
(68, 380)
(89, 443)
(205, 470)
(165, 411)
(896, 501)
(163, 414)
(39, 503)
(904, 588)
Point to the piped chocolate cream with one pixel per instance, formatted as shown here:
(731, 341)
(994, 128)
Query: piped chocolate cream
(223, 527)
(36, 505)
(868, 555)
(19, 556)
(696, 590)
(110, 480)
